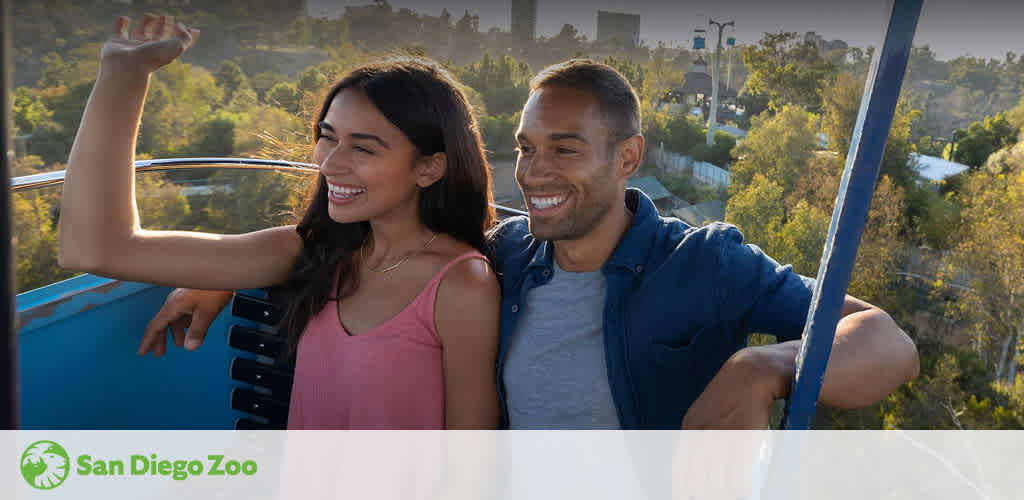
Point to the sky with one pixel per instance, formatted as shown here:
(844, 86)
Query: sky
(982, 28)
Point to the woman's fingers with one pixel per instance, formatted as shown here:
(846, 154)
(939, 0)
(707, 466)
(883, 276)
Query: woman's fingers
(187, 35)
(154, 29)
(121, 25)
(155, 337)
(142, 27)
(178, 330)
(161, 346)
(160, 29)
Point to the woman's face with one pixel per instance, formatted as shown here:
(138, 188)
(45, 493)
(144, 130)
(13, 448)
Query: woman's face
(369, 164)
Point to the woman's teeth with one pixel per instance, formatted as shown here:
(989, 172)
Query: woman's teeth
(345, 192)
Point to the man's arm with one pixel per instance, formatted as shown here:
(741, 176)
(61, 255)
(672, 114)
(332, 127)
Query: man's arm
(871, 357)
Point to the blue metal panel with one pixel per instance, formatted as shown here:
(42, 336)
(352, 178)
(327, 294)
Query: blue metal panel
(79, 369)
(851, 211)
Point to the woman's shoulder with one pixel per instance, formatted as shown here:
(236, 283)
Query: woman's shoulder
(468, 298)
(468, 276)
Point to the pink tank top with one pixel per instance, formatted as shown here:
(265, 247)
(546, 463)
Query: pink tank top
(389, 377)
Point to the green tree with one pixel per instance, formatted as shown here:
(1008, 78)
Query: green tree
(841, 104)
(503, 82)
(181, 98)
(634, 72)
(719, 154)
(312, 81)
(285, 95)
(758, 212)
(975, 73)
(162, 205)
(779, 147)
(659, 77)
(263, 82)
(499, 134)
(924, 66)
(802, 238)
(246, 201)
(28, 165)
(34, 239)
(974, 145)
(1015, 116)
(930, 146)
(216, 137)
(783, 191)
(268, 124)
(29, 110)
(989, 254)
(787, 70)
(230, 78)
(683, 134)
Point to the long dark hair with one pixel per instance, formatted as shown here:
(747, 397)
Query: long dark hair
(424, 101)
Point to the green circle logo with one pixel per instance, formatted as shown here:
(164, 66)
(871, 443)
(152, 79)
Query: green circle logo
(44, 465)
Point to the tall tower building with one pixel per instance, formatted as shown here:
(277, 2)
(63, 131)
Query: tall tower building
(524, 19)
(624, 28)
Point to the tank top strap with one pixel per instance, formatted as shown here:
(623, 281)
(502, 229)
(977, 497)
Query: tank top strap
(423, 305)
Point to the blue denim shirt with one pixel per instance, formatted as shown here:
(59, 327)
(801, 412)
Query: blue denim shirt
(680, 301)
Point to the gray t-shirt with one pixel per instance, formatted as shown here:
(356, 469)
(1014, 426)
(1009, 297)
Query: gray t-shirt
(555, 373)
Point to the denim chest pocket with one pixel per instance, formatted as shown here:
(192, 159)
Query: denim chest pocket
(680, 340)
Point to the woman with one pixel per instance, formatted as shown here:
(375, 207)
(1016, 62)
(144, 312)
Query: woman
(393, 311)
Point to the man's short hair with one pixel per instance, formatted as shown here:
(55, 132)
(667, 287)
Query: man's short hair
(619, 104)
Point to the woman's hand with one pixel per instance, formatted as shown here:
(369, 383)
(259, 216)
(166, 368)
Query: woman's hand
(183, 309)
(154, 42)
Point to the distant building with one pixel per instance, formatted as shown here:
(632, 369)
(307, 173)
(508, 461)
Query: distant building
(697, 91)
(824, 46)
(701, 213)
(625, 28)
(662, 198)
(524, 19)
(932, 170)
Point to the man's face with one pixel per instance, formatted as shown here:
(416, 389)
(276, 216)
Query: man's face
(566, 167)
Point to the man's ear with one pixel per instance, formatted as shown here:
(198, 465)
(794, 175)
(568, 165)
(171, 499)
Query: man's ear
(431, 169)
(631, 155)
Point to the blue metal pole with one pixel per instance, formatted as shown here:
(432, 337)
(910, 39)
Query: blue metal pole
(851, 211)
(8, 334)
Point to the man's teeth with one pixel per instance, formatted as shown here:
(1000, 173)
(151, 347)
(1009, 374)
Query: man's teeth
(345, 191)
(542, 202)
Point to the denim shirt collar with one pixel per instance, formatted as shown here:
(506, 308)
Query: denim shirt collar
(631, 253)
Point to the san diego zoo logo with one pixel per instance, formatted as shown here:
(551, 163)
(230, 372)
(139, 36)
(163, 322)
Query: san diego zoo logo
(45, 465)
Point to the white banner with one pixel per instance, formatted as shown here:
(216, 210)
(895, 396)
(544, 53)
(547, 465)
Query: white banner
(535, 465)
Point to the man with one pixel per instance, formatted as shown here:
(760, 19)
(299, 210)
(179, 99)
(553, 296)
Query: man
(613, 317)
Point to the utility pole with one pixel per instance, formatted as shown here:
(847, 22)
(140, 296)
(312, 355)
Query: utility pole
(712, 121)
(728, 72)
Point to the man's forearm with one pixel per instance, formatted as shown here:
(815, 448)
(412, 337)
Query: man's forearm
(871, 357)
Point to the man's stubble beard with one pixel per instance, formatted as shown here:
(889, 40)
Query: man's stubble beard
(581, 221)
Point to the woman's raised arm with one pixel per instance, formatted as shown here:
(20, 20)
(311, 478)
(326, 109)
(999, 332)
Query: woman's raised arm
(99, 222)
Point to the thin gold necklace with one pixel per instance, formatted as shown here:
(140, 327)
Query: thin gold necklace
(362, 256)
